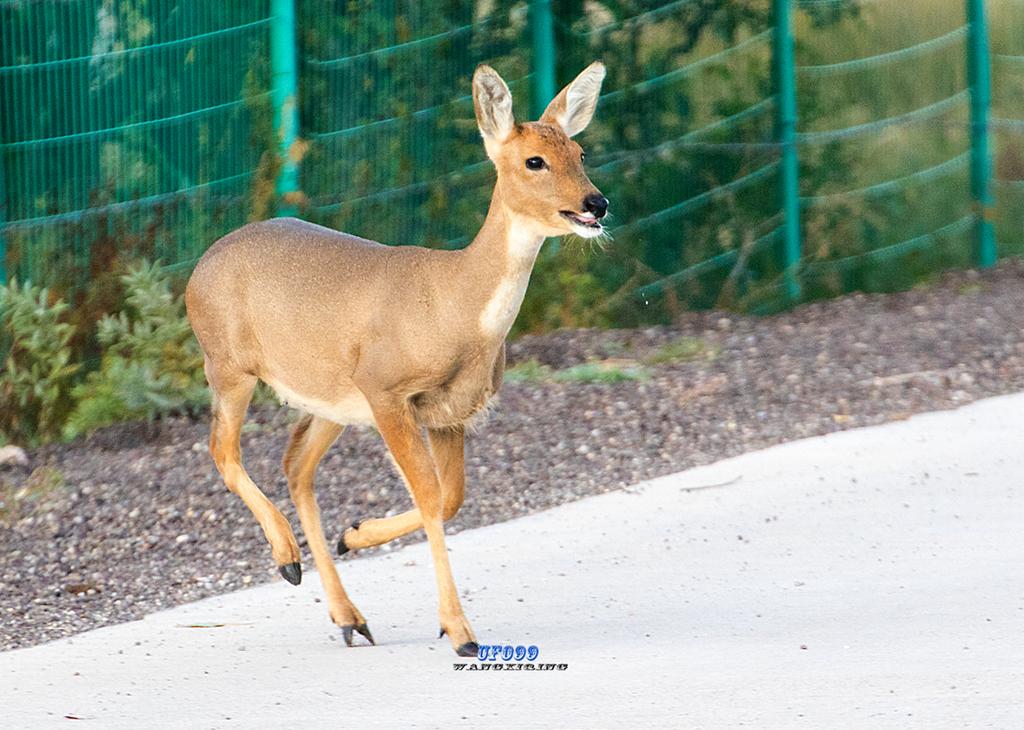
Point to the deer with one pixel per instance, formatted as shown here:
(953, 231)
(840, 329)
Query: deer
(408, 339)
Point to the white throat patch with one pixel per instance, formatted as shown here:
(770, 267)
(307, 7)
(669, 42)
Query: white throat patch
(522, 246)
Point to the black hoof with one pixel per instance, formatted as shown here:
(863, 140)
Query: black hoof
(468, 649)
(292, 573)
(342, 547)
(441, 633)
(346, 632)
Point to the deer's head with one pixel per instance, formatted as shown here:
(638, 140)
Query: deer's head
(540, 169)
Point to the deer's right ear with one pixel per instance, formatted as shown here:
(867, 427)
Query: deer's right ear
(492, 102)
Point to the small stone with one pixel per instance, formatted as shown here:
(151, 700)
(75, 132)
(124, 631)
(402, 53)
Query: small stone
(13, 456)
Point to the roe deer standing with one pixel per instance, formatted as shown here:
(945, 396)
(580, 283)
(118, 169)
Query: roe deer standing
(405, 338)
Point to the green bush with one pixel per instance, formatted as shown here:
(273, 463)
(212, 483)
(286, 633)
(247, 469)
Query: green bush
(37, 374)
(599, 371)
(151, 363)
(602, 372)
(527, 372)
(682, 349)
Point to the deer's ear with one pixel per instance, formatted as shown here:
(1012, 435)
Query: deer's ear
(492, 102)
(574, 106)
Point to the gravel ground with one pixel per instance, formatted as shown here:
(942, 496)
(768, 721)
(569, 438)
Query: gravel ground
(135, 519)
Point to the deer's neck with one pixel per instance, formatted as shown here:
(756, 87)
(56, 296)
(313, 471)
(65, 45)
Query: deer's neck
(501, 258)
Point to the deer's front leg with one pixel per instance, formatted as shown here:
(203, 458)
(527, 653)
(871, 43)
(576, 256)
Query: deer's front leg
(447, 448)
(403, 439)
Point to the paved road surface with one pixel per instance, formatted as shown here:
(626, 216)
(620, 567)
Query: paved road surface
(867, 579)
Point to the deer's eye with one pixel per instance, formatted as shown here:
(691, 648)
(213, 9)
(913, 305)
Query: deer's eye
(535, 163)
(583, 156)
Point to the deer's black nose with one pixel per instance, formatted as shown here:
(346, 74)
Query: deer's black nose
(597, 204)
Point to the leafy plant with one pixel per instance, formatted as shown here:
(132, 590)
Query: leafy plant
(607, 371)
(36, 380)
(683, 349)
(527, 372)
(599, 371)
(151, 363)
(562, 292)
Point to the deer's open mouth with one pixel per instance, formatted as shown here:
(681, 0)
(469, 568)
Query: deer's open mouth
(587, 220)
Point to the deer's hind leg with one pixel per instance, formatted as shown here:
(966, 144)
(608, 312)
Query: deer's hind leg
(447, 446)
(310, 439)
(231, 395)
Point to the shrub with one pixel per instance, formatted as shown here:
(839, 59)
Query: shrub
(599, 371)
(527, 372)
(682, 349)
(37, 375)
(151, 363)
(607, 371)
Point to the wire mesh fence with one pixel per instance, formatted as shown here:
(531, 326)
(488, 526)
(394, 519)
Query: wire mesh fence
(125, 132)
(756, 153)
(394, 153)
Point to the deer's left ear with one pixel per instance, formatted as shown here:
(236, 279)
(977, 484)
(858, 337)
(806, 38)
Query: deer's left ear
(574, 106)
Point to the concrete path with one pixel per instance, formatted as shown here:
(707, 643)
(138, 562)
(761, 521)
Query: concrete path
(866, 579)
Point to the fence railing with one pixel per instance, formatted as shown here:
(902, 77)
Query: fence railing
(152, 131)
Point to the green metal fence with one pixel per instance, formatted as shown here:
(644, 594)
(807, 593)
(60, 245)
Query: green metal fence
(125, 131)
(756, 152)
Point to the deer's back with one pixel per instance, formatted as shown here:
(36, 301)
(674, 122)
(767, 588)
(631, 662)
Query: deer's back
(281, 280)
(300, 306)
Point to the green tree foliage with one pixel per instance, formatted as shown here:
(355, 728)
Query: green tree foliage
(151, 363)
(37, 373)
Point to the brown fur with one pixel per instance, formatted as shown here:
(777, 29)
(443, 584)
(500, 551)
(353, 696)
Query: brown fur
(403, 337)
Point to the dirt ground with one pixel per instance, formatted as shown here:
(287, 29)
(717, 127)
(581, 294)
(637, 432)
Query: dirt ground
(135, 519)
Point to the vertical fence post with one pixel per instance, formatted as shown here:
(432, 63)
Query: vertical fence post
(981, 161)
(284, 97)
(3, 219)
(542, 62)
(785, 131)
